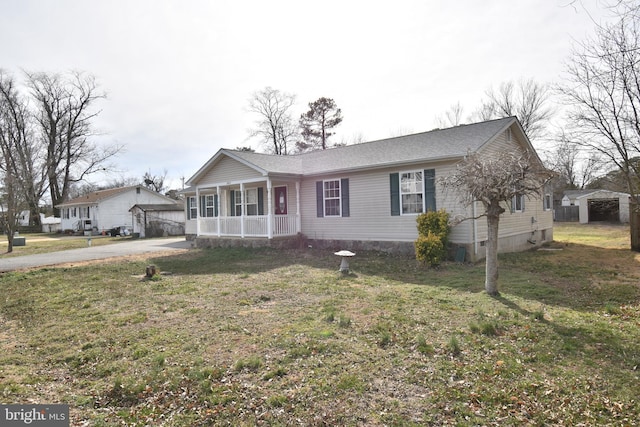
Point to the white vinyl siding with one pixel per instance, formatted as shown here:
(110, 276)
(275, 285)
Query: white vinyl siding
(369, 202)
(229, 170)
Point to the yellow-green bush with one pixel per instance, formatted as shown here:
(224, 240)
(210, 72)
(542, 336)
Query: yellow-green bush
(433, 237)
(436, 222)
(430, 249)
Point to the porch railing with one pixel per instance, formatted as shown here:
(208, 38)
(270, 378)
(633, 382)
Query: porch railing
(253, 226)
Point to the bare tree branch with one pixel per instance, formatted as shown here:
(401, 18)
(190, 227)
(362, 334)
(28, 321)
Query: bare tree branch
(274, 125)
(64, 113)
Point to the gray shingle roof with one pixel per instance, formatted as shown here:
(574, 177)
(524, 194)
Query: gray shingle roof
(437, 144)
(433, 145)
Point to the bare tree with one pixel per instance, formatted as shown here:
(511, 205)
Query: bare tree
(316, 124)
(575, 166)
(14, 143)
(526, 99)
(603, 90)
(496, 182)
(246, 149)
(452, 117)
(274, 125)
(356, 138)
(155, 182)
(64, 114)
(25, 151)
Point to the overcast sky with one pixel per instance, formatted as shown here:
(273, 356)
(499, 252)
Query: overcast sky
(178, 74)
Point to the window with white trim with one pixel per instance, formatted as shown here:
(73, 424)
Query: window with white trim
(331, 198)
(65, 213)
(207, 206)
(546, 202)
(518, 203)
(192, 208)
(251, 201)
(411, 192)
(237, 203)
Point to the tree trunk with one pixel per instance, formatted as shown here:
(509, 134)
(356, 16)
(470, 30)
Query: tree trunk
(10, 242)
(634, 225)
(34, 216)
(494, 210)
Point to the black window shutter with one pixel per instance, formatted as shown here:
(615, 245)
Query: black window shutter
(232, 193)
(202, 205)
(394, 185)
(188, 208)
(260, 201)
(215, 204)
(430, 189)
(344, 195)
(319, 199)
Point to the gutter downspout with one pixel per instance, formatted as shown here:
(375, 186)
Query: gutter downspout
(219, 209)
(197, 211)
(475, 232)
(269, 210)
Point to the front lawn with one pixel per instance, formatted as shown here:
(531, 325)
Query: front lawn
(264, 337)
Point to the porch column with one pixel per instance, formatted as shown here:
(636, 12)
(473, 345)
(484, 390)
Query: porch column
(244, 208)
(298, 225)
(197, 210)
(269, 210)
(218, 207)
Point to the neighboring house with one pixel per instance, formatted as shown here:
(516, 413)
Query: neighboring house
(23, 218)
(100, 211)
(156, 220)
(598, 205)
(363, 196)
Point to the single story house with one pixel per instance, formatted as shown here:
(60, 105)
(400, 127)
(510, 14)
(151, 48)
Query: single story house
(23, 218)
(158, 219)
(362, 196)
(99, 211)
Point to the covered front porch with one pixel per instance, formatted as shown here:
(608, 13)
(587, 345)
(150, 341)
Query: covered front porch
(247, 209)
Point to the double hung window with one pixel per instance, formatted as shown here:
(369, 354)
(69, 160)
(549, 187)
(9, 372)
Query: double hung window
(192, 208)
(251, 201)
(411, 191)
(332, 198)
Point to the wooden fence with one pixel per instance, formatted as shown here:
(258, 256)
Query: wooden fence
(566, 213)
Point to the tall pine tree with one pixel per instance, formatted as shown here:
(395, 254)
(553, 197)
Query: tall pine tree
(316, 124)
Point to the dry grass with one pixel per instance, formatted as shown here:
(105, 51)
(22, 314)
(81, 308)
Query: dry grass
(44, 243)
(262, 337)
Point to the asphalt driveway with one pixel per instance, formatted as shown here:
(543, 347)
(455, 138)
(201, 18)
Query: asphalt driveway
(134, 247)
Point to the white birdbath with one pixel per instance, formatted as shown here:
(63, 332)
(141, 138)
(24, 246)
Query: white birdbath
(344, 264)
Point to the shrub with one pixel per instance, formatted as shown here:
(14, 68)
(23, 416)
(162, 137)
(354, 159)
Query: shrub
(433, 236)
(436, 222)
(430, 249)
